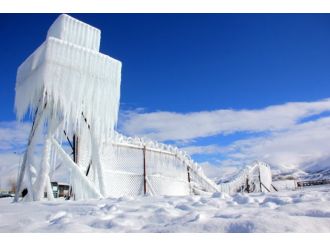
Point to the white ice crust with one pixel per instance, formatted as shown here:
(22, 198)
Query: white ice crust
(258, 176)
(76, 32)
(69, 84)
(76, 81)
(166, 168)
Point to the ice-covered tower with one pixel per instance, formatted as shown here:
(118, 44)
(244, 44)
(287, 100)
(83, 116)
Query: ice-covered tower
(69, 87)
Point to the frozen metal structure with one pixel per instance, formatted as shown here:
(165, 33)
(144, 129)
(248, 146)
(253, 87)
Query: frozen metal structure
(256, 177)
(69, 86)
(73, 90)
(134, 166)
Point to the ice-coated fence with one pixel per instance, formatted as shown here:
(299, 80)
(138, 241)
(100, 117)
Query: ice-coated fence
(133, 166)
(255, 177)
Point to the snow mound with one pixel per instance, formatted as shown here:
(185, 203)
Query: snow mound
(305, 210)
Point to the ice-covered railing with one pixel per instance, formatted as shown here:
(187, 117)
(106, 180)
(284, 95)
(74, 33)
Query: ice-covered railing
(198, 180)
(255, 177)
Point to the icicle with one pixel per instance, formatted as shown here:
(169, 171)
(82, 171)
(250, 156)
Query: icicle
(80, 82)
(44, 170)
(43, 174)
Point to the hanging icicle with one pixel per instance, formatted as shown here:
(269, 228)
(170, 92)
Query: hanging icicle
(73, 77)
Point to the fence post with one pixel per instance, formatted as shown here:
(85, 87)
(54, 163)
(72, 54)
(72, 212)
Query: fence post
(188, 173)
(260, 179)
(247, 185)
(144, 171)
(75, 148)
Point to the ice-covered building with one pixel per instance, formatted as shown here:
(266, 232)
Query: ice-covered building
(72, 91)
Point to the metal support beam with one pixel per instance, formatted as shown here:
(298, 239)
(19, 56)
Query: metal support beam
(67, 138)
(36, 122)
(247, 185)
(260, 180)
(88, 168)
(69, 162)
(144, 171)
(264, 186)
(98, 164)
(75, 148)
(188, 172)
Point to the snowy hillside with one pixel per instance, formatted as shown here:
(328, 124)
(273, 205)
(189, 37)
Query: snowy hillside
(296, 211)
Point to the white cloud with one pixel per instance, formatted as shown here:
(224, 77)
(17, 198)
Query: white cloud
(289, 139)
(207, 149)
(218, 172)
(304, 146)
(165, 126)
(13, 134)
(8, 168)
(13, 139)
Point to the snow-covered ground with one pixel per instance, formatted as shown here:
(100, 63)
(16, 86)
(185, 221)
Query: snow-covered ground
(306, 210)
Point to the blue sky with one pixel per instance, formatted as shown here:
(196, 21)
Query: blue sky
(224, 80)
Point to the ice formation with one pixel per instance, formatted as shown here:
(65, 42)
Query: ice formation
(168, 170)
(77, 81)
(72, 89)
(256, 177)
(67, 82)
(75, 32)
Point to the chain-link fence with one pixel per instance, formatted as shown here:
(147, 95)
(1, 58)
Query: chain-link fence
(133, 166)
(137, 170)
(255, 177)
